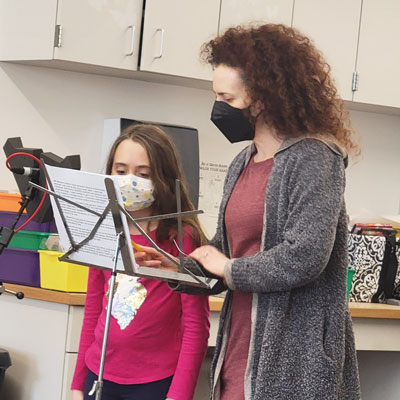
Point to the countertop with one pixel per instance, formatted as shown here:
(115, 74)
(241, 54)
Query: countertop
(357, 310)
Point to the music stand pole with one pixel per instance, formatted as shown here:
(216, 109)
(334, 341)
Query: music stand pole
(98, 384)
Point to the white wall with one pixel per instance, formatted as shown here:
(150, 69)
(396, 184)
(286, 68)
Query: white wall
(373, 183)
(63, 112)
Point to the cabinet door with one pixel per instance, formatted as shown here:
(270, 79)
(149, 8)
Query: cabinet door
(173, 33)
(27, 29)
(68, 375)
(333, 26)
(235, 12)
(378, 61)
(75, 320)
(104, 33)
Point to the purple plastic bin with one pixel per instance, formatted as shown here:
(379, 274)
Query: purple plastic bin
(20, 266)
(7, 218)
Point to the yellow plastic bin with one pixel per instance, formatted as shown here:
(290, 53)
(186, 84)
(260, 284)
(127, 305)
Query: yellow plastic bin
(60, 275)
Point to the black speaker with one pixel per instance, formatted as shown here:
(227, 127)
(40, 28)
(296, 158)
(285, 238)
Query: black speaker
(14, 145)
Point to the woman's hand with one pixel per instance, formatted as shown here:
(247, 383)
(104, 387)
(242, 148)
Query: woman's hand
(150, 257)
(77, 395)
(212, 259)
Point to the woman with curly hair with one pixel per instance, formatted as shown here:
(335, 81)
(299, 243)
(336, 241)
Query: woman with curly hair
(281, 242)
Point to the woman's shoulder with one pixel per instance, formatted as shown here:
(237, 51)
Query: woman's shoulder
(309, 161)
(316, 150)
(312, 145)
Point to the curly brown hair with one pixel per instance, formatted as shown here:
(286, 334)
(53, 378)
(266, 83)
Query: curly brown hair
(283, 71)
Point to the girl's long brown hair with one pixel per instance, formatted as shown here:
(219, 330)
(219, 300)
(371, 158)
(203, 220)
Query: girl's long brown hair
(287, 75)
(165, 168)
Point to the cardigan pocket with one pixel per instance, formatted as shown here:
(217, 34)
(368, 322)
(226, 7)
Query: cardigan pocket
(328, 338)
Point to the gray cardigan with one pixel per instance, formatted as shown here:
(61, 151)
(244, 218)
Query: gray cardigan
(302, 344)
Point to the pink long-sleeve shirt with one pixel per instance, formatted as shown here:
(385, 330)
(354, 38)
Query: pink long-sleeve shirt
(154, 332)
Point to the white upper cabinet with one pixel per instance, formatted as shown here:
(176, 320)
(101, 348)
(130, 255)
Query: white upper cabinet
(378, 61)
(103, 33)
(27, 29)
(333, 26)
(173, 33)
(100, 32)
(358, 38)
(235, 12)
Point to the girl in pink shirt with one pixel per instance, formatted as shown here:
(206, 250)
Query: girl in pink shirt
(157, 337)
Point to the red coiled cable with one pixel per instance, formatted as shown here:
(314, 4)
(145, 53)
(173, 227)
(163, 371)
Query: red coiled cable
(44, 194)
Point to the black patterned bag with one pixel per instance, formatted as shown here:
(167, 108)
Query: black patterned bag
(396, 290)
(375, 263)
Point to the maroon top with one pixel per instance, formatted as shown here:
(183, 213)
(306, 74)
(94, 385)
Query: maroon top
(244, 224)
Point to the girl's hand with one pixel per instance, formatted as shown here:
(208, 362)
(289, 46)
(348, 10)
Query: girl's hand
(211, 259)
(77, 395)
(150, 257)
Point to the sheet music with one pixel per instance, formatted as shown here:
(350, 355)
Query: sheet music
(87, 189)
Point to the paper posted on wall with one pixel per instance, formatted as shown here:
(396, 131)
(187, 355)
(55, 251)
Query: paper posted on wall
(212, 176)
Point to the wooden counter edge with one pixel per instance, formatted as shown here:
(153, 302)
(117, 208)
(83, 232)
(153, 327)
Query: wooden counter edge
(357, 310)
(215, 303)
(53, 296)
(374, 310)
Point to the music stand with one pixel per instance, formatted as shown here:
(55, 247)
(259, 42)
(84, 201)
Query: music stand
(122, 246)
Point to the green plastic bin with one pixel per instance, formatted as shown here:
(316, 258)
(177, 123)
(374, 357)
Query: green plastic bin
(29, 240)
(350, 273)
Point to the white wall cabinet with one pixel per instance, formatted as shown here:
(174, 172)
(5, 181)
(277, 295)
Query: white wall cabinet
(173, 33)
(102, 33)
(333, 26)
(235, 12)
(378, 61)
(105, 37)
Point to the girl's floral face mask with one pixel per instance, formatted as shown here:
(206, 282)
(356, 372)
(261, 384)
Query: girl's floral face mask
(137, 192)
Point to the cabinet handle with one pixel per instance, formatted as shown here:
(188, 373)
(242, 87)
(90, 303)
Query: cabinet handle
(130, 53)
(161, 43)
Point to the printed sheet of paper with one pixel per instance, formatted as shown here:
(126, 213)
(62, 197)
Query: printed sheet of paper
(212, 177)
(87, 189)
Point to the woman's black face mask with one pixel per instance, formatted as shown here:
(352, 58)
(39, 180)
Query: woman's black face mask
(232, 122)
